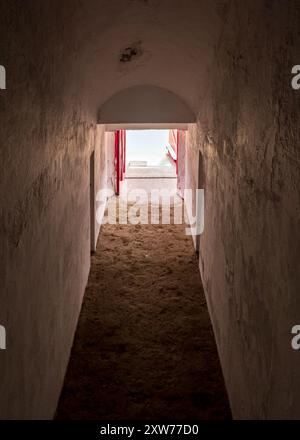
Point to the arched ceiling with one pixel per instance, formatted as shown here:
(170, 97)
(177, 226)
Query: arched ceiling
(163, 43)
(145, 104)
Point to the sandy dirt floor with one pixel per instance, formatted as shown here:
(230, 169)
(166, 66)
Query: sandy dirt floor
(144, 346)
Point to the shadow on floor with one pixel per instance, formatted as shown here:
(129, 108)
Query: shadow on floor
(144, 346)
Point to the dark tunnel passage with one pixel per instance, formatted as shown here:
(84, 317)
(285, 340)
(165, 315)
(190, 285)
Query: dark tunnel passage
(223, 77)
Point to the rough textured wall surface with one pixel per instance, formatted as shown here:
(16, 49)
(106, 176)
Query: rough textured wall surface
(249, 134)
(191, 173)
(110, 160)
(47, 135)
(100, 177)
(181, 162)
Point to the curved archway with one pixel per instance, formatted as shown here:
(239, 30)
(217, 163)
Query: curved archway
(145, 104)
